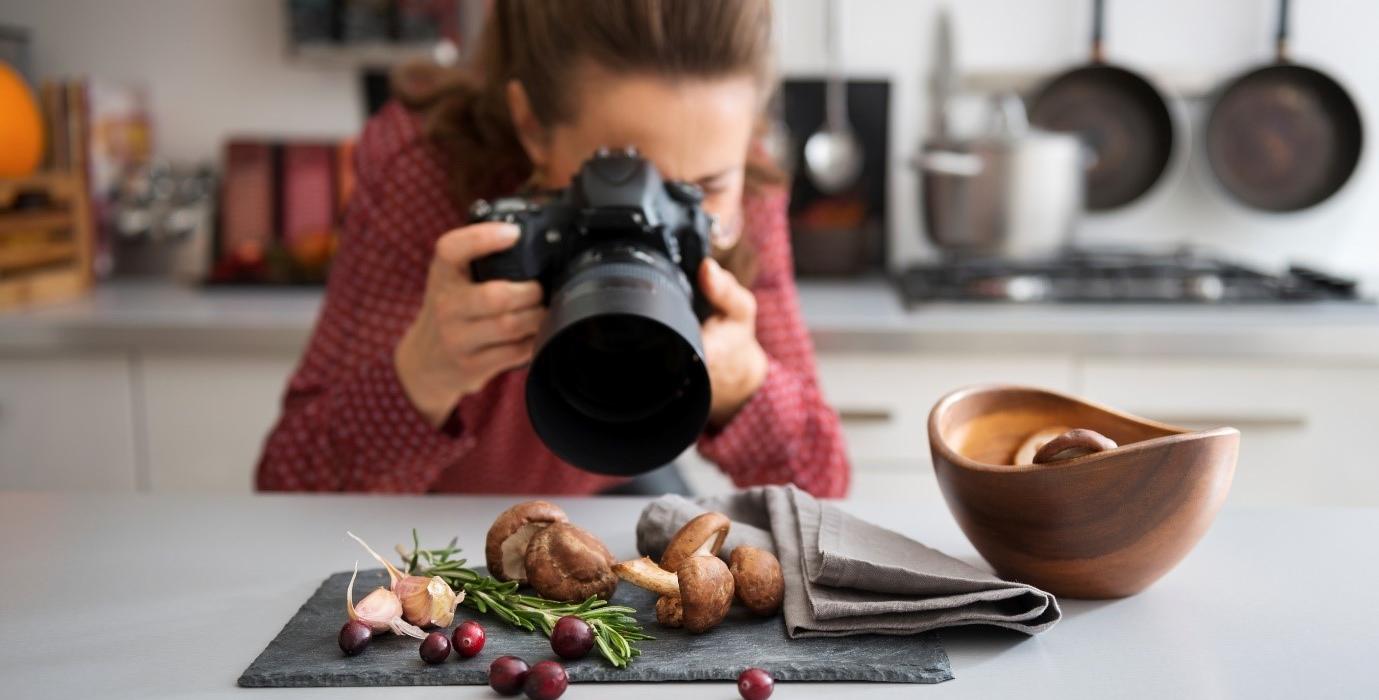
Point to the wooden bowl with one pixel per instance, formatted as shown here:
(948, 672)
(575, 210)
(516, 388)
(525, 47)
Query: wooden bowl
(1105, 525)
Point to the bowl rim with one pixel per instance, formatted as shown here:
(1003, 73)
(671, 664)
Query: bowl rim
(1179, 434)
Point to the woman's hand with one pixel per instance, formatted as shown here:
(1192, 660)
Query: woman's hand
(466, 333)
(737, 363)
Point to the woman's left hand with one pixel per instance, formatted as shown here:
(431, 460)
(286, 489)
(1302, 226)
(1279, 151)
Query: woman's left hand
(737, 363)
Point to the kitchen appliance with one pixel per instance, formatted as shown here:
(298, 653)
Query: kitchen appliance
(832, 155)
(1103, 525)
(1122, 117)
(162, 219)
(1108, 276)
(1283, 137)
(1015, 192)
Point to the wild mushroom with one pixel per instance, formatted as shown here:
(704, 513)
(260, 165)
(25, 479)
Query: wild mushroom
(758, 579)
(697, 595)
(703, 535)
(565, 562)
(1072, 444)
(506, 545)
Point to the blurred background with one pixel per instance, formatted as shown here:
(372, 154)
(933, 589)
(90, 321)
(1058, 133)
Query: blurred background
(171, 174)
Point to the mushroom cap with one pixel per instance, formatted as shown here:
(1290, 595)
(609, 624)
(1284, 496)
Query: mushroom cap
(702, 535)
(521, 521)
(566, 562)
(706, 592)
(758, 579)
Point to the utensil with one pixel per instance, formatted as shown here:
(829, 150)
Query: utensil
(1015, 192)
(1105, 525)
(1121, 116)
(1283, 137)
(943, 79)
(833, 155)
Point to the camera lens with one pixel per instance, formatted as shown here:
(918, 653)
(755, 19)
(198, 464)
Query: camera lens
(618, 384)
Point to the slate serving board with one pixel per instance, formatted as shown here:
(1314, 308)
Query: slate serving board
(305, 653)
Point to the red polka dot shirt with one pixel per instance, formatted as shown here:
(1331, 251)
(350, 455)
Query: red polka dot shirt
(347, 424)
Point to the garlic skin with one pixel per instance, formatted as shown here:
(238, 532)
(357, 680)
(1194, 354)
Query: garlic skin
(380, 610)
(424, 602)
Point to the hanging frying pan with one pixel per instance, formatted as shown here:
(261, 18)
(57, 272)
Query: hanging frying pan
(1124, 120)
(1283, 137)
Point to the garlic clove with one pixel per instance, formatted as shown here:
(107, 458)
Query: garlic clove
(393, 574)
(443, 600)
(380, 610)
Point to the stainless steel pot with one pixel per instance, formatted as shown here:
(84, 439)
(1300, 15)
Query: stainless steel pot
(1015, 192)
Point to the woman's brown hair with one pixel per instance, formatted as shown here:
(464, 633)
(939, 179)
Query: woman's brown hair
(543, 43)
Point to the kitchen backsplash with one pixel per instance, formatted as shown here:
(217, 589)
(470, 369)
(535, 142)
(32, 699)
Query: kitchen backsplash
(226, 71)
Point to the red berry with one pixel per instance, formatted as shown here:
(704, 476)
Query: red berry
(354, 637)
(755, 684)
(435, 648)
(546, 681)
(571, 638)
(468, 639)
(507, 674)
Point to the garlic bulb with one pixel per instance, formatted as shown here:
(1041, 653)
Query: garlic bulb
(425, 602)
(380, 610)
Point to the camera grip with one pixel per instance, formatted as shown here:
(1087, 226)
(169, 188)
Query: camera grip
(506, 265)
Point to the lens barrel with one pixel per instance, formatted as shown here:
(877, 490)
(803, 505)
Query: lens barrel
(619, 384)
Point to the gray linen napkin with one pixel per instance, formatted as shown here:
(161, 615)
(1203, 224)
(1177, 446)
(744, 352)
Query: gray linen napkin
(846, 576)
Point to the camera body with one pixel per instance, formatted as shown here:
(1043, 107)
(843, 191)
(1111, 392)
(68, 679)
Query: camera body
(616, 204)
(618, 383)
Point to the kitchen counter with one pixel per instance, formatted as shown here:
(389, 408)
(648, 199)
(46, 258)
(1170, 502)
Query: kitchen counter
(843, 316)
(173, 595)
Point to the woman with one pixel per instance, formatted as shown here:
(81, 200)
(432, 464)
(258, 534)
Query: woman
(413, 379)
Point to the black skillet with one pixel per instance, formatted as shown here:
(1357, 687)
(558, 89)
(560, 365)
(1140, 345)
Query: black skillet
(1122, 117)
(1283, 137)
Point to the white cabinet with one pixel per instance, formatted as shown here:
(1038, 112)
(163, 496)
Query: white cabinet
(883, 401)
(1307, 430)
(66, 422)
(207, 417)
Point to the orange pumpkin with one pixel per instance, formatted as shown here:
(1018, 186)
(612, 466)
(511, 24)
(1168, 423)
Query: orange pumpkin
(21, 126)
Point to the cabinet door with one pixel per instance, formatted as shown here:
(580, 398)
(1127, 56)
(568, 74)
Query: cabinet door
(1306, 431)
(66, 422)
(207, 417)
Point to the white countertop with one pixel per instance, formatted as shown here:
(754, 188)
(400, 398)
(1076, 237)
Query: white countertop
(172, 596)
(843, 316)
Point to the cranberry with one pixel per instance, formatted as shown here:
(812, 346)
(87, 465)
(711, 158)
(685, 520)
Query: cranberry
(571, 638)
(507, 674)
(547, 681)
(435, 648)
(354, 637)
(755, 684)
(468, 639)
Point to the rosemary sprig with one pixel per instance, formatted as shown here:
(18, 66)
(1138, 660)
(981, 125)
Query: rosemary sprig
(615, 628)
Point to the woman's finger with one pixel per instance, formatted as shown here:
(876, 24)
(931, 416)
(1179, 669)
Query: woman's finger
(462, 246)
(502, 329)
(726, 294)
(500, 358)
(498, 297)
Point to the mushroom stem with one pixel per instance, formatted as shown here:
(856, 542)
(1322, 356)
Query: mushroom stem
(645, 573)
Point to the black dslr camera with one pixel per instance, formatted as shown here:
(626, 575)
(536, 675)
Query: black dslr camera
(618, 383)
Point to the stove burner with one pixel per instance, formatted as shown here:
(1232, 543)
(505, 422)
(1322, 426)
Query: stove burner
(1113, 276)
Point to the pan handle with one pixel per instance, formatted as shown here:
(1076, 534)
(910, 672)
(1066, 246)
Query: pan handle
(1098, 19)
(1281, 37)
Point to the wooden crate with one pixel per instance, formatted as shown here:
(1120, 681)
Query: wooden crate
(45, 253)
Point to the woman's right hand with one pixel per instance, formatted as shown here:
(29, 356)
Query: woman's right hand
(466, 332)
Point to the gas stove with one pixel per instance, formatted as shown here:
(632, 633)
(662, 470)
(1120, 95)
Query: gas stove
(1183, 276)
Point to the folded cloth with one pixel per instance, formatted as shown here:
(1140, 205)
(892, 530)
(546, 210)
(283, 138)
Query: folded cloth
(846, 576)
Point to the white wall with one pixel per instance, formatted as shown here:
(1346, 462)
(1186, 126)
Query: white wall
(213, 67)
(218, 67)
